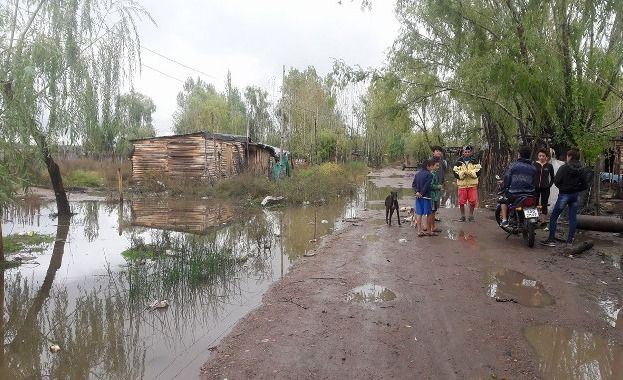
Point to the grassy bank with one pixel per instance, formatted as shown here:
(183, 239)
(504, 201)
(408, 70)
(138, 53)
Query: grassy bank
(311, 184)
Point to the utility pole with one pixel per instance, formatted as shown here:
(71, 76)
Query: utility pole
(315, 134)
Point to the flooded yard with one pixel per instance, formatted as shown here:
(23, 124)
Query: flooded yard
(144, 289)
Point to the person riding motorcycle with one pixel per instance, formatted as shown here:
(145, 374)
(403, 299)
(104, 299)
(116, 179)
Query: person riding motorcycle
(519, 179)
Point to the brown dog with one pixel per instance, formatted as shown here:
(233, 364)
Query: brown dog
(391, 205)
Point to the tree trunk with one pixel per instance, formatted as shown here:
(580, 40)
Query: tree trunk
(1, 241)
(62, 204)
(26, 328)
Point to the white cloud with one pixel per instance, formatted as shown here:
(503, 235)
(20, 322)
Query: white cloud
(254, 40)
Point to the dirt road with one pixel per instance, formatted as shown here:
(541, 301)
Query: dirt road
(435, 315)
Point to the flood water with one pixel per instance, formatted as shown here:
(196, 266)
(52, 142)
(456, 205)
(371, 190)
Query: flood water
(212, 265)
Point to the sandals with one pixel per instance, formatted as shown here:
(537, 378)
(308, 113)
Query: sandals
(420, 234)
(433, 234)
(437, 230)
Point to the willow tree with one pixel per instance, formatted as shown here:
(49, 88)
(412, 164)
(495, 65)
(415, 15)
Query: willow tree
(62, 65)
(261, 127)
(309, 110)
(526, 69)
(201, 108)
(388, 122)
(133, 120)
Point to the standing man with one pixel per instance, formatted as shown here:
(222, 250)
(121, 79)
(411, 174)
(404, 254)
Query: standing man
(466, 171)
(437, 152)
(544, 181)
(570, 181)
(519, 179)
(437, 155)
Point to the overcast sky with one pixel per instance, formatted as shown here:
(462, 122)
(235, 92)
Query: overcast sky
(254, 40)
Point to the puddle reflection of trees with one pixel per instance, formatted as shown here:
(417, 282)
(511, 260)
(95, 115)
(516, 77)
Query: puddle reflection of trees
(89, 335)
(572, 354)
(107, 331)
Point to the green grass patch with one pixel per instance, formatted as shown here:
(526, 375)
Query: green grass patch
(142, 252)
(9, 264)
(313, 183)
(31, 241)
(83, 178)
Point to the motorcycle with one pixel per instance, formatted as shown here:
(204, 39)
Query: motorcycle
(523, 215)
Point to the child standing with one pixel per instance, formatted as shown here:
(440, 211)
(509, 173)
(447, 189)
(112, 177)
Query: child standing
(544, 181)
(422, 183)
(435, 194)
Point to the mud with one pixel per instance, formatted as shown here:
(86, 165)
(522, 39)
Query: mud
(442, 323)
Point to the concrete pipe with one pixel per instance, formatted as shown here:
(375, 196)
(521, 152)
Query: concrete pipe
(600, 223)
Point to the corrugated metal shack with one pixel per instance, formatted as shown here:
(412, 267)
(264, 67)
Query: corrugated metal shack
(203, 156)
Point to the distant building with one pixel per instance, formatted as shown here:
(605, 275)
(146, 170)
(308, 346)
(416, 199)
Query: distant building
(203, 156)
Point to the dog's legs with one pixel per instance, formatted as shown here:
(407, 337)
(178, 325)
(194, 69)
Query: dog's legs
(398, 213)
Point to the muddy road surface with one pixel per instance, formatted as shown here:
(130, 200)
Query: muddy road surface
(378, 302)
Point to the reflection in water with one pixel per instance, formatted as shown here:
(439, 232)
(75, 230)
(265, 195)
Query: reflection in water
(184, 215)
(571, 354)
(370, 293)
(92, 302)
(611, 310)
(509, 285)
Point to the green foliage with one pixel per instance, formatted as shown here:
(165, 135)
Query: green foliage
(133, 119)
(142, 252)
(83, 178)
(62, 64)
(319, 183)
(261, 126)
(388, 120)
(515, 69)
(202, 108)
(308, 109)
(31, 241)
(326, 145)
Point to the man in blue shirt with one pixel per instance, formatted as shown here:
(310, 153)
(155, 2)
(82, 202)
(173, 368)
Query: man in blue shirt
(519, 179)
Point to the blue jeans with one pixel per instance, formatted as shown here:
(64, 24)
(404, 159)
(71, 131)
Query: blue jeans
(563, 200)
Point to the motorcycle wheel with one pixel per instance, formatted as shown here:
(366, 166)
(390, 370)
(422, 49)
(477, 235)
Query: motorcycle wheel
(531, 234)
(498, 219)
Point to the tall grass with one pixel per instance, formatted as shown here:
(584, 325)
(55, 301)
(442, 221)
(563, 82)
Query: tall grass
(311, 183)
(87, 172)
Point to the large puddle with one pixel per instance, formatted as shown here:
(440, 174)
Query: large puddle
(211, 263)
(575, 355)
(507, 285)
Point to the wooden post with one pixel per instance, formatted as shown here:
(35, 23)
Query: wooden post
(120, 178)
(120, 219)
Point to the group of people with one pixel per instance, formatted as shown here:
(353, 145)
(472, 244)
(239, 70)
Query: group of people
(427, 185)
(523, 176)
(429, 181)
(526, 177)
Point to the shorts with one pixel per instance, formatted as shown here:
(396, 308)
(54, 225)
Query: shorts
(423, 206)
(468, 195)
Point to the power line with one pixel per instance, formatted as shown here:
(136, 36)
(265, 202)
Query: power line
(177, 62)
(162, 73)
